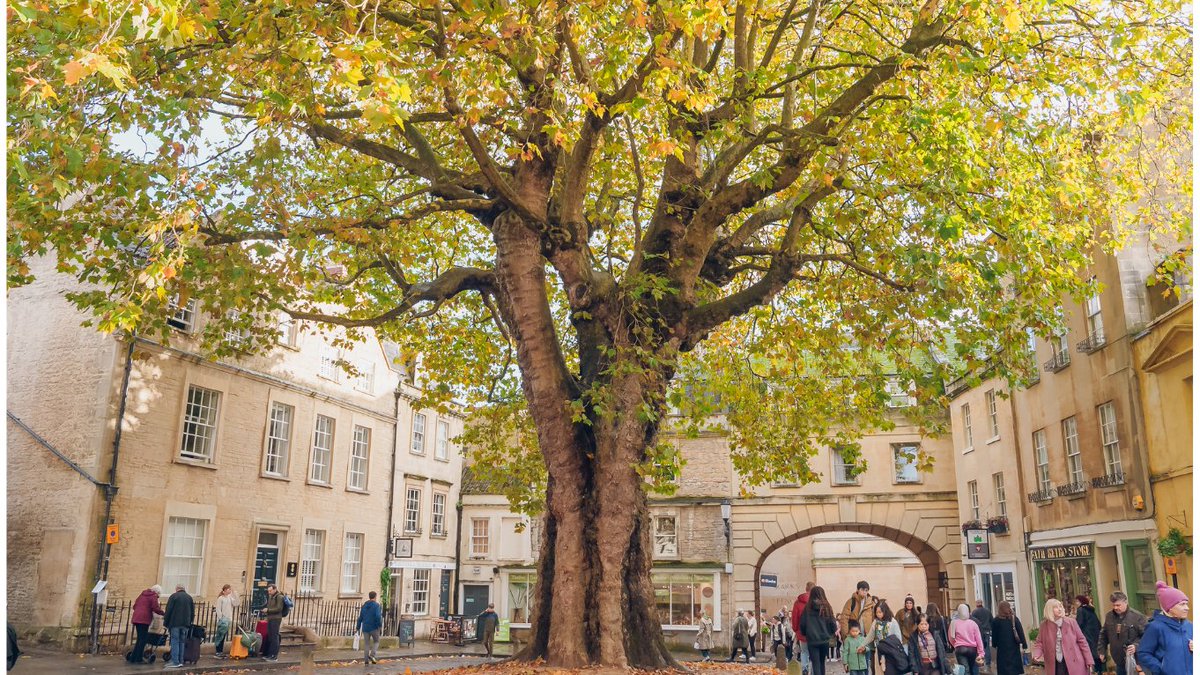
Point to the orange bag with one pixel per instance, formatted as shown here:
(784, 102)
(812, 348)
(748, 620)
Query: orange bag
(237, 650)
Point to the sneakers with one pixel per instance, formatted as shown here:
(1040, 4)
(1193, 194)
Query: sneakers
(271, 658)
(172, 665)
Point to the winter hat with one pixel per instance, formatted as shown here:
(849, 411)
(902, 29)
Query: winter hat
(1168, 597)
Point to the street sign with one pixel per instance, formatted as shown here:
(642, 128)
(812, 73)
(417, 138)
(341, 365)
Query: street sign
(768, 580)
(1171, 565)
(977, 545)
(113, 534)
(402, 547)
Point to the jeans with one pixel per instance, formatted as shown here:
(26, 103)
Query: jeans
(752, 641)
(489, 639)
(179, 637)
(745, 652)
(371, 643)
(704, 654)
(802, 647)
(816, 656)
(222, 633)
(987, 649)
(271, 644)
(859, 672)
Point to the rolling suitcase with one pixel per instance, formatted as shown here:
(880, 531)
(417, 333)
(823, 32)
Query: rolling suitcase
(191, 650)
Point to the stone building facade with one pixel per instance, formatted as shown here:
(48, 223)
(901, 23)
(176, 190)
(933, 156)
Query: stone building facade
(281, 467)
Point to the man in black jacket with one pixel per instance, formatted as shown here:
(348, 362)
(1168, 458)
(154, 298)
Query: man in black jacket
(983, 618)
(178, 619)
(1123, 629)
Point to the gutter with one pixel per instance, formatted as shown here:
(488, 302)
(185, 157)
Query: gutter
(458, 507)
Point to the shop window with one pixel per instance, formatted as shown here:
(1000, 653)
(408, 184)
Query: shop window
(679, 598)
(520, 596)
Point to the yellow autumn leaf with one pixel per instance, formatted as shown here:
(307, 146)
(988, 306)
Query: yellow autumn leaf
(1012, 18)
(74, 71)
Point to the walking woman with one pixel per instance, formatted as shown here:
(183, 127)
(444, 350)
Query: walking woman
(1008, 641)
(885, 624)
(1166, 648)
(1060, 643)
(704, 638)
(967, 641)
(937, 625)
(926, 652)
(817, 626)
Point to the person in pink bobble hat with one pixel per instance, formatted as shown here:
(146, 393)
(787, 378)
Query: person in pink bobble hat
(1061, 644)
(1166, 648)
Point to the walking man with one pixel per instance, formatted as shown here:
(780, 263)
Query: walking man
(370, 622)
(274, 613)
(983, 618)
(226, 603)
(1123, 629)
(178, 619)
(487, 622)
(859, 610)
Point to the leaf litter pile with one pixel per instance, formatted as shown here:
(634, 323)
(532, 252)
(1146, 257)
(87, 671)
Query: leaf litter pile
(538, 668)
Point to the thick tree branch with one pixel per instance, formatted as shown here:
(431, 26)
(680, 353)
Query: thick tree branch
(449, 284)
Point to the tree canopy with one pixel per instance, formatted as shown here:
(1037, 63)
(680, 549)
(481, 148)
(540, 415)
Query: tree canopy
(584, 213)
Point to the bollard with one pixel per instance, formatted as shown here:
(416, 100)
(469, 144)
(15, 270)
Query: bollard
(308, 662)
(780, 658)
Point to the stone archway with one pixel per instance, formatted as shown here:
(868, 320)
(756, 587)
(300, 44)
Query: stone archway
(926, 524)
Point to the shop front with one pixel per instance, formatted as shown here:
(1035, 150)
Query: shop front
(1063, 572)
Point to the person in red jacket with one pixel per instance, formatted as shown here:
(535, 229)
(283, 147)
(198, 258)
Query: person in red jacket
(144, 609)
(797, 610)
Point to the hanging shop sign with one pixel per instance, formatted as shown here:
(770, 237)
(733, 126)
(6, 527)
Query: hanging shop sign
(977, 545)
(1085, 550)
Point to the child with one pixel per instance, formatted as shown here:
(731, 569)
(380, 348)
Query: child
(854, 651)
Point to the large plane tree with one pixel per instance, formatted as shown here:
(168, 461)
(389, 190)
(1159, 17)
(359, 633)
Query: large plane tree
(589, 215)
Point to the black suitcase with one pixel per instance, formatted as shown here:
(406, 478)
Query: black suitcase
(191, 650)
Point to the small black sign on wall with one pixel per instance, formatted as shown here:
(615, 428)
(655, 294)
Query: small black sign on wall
(768, 580)
(291, 569)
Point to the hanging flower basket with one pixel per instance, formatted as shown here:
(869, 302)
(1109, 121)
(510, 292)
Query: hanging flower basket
(971, 525)
(997, 525)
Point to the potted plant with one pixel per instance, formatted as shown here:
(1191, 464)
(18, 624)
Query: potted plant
(1173, 544)
(997, 524)
(971, 525)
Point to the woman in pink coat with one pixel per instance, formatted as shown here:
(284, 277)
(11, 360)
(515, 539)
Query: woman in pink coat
(1061, 644)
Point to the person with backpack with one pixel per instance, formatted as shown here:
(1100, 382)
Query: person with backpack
(740, 637)
(817, 627)
(892, 655)
(275, 611)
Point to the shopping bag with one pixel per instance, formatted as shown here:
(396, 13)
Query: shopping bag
(1130, 664)
(696, 645)
(960, 669)
(356, 639)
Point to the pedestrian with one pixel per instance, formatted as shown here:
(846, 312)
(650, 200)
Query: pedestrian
(893, 659)
(982, 617)
(937, 625)
(144, 609)
(370, 622)
(966, 641)
(860, 608)
(907, 618)
(488, 621)
(1166, 647)
(885, 624)
(1089, 623)
(740, 637)
(781, 635)
(818, 626)
(1123, 628)
(1008, 641)
(704, 636)
(1060, 644)
(178, 618)
(274, 614)
(227, 603)
(753, 628)
(797, 611)
(854, 652)
(926, 652)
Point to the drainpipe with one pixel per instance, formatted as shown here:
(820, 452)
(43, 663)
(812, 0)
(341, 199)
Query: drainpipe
(110, 493)
(387, 549)
(458, 544)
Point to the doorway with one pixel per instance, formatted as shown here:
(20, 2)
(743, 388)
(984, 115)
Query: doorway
(1139, 575)
(266, 567)
(475, 598)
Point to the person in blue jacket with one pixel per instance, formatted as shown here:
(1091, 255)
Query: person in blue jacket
(370, 622)
(1166, 647)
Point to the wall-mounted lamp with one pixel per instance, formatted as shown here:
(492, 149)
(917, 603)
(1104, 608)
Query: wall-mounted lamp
(726, 513)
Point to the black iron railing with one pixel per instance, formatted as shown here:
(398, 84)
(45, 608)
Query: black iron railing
(1041, 496)
(1110, 480)
(1059, 361)
(1093, 342)
(1072, 488)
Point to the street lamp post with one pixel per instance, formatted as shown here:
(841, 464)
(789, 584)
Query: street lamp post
(726, 512)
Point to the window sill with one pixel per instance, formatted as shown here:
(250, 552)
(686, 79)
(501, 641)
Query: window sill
(415, 533)
(199, 463)
(907, 482)
(416, 454)
(969, 449)
(993, 439)
(275, 476)
(437, 535)
(847, 484)
(357, 491)
(345, 595)
(445, 460)
(318, 484)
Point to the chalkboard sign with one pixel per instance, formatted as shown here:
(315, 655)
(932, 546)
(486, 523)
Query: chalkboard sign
(407, 631)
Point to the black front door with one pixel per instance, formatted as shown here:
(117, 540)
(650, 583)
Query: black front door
(475, 599)
(444, 605)
(266, 568)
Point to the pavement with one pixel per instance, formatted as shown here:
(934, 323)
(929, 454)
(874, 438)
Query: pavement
(423, 657)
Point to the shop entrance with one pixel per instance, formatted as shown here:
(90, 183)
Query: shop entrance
(1139, 575)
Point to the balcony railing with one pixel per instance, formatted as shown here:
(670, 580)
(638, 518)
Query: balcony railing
(1059, 361)
(1071, 488)
(1092, 343)
(1043, 496)
(1111, 480)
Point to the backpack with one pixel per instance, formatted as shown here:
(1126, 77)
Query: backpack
(287, 606)
(739, 629)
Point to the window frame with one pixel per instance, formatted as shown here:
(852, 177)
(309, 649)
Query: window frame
(350, 567)
(1041, 457)
(235, 337)
(364, 381)
(418, 599)
(315, 565)
(437, 521)
(365, 446)
(186, 315)
(274, 441)
(190, 422)
(441, 442)
(1072, 451)
(328, 368)
(968, 431)
(1000, 494)
(170, 578)
(1094, 316)
(476, 538)
(412, 509)
(662, 536)
(973, 498)
(1111, 446)
(993, 413)
(896, 450)
(839, 462)
(416, 448)
(313, 452)
(288, 330)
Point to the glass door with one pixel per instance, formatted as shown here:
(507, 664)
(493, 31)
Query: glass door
(1139, 575)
